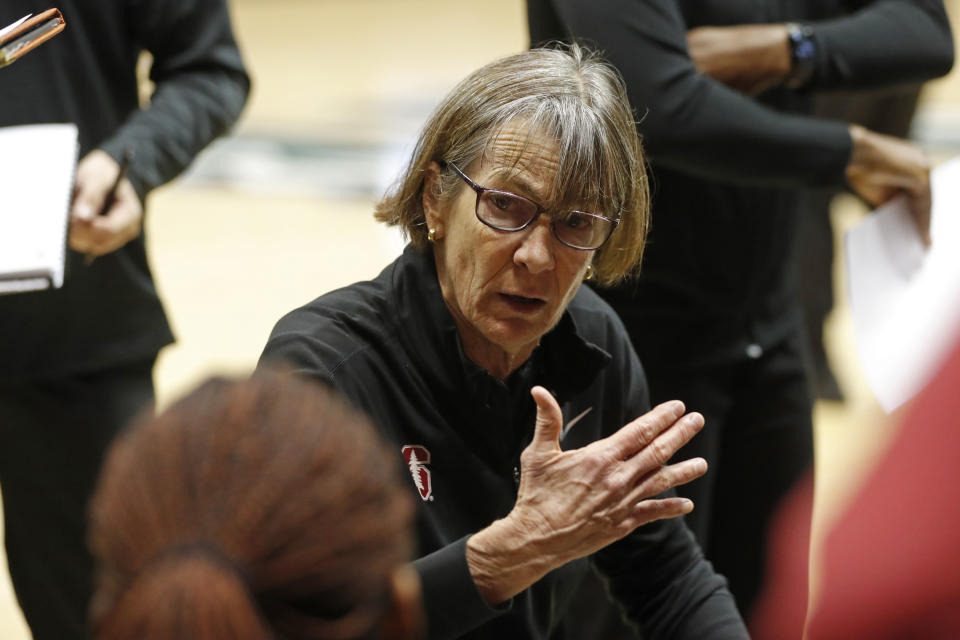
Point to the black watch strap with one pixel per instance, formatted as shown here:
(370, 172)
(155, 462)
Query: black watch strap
(803, 55)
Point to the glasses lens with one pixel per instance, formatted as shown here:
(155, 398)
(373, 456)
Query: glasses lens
(583, 230)
(505, 211)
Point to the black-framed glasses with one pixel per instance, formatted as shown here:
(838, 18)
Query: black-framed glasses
(505, 211)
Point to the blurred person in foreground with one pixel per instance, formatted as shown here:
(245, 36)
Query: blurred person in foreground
(76, 363)
(724, 88)
(889, 567)
(512, 392)
(253, 510)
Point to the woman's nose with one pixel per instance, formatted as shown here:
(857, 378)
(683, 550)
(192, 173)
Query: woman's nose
(536, 249)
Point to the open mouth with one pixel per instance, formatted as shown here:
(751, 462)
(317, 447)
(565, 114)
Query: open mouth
(522, 303)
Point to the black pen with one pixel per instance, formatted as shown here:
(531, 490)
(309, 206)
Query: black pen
(112, 194)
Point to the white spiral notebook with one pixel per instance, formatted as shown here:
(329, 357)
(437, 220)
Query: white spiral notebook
(37, 165)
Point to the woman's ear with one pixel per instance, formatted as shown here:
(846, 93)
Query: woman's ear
(432, 209)
(404, 619)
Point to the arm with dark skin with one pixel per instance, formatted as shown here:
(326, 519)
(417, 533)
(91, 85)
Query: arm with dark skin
(753, 58)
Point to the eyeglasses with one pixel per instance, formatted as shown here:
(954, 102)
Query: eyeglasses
(505, 211)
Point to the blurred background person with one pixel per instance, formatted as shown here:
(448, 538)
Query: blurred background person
(527, 179)
(76, 363)
(255, 509)
(721, 90)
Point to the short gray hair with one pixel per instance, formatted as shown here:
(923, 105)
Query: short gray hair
(571, 95)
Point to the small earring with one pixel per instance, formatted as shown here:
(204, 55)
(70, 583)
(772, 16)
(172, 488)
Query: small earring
(589, 273)
(431, 235)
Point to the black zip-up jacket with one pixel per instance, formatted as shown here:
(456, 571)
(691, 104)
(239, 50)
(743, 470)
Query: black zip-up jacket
(391, 346)
(108, 313)
(716, 276)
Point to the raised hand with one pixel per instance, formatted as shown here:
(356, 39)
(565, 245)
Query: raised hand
(572, 503)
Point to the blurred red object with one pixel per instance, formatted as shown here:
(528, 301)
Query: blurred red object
(891, 563)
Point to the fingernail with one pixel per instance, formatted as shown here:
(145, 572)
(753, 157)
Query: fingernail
(687, 506)
(676, 406)
(700, 466)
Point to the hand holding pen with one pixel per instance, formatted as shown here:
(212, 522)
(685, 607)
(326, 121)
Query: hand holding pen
(106, 212)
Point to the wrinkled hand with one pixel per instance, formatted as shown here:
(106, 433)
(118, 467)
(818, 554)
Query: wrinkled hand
(749, 58)
(90, 232)
(573, 503)
(883, 166)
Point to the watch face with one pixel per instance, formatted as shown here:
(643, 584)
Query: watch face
(805, 49)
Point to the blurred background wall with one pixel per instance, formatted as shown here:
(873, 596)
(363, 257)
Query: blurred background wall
(281, 212)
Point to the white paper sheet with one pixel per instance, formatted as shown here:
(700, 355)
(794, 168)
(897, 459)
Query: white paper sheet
(37, 164)
(905, 300)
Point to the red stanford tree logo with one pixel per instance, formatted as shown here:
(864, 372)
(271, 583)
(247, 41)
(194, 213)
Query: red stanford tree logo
(418, 457)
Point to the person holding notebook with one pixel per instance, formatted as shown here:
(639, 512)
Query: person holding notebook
(76, 362)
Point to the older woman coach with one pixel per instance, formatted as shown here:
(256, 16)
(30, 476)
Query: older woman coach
(512, 392)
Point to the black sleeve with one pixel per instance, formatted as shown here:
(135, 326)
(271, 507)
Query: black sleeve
(884, 42)
(658, 573)
(201, 87)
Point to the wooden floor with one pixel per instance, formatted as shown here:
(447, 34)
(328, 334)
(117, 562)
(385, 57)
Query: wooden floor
(230, 259)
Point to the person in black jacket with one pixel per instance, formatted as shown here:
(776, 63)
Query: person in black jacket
(527, 179)
(720, 88)
(76, 363)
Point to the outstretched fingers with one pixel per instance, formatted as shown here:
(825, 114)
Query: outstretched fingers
(660, 509)
(667, 477)
(636, 435)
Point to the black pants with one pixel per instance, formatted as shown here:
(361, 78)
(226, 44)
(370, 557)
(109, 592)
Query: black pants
(53, 435)
(757, 440)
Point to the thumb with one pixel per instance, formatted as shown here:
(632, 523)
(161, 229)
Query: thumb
(546, 430)
(94, 179)
(86, 203)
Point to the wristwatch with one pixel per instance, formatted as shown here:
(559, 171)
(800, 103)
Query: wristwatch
(803, 55)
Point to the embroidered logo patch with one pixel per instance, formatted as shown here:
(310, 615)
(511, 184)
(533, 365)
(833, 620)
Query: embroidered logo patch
(418, 457)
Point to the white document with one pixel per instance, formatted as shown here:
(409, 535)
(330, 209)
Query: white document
(905, 299)
(37, 165)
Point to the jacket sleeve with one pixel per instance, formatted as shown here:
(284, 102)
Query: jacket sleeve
(883, 42)
(696, 125)
(451, 600)
(658, 573)
(201, 87)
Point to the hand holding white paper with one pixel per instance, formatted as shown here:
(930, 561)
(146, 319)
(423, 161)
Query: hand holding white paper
(905, 300)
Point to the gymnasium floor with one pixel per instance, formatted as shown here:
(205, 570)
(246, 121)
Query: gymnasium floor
(282, 212)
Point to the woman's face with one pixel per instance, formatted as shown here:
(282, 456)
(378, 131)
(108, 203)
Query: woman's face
(504, 289)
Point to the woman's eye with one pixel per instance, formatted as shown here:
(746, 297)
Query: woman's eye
(504, 203)
(578, 222)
